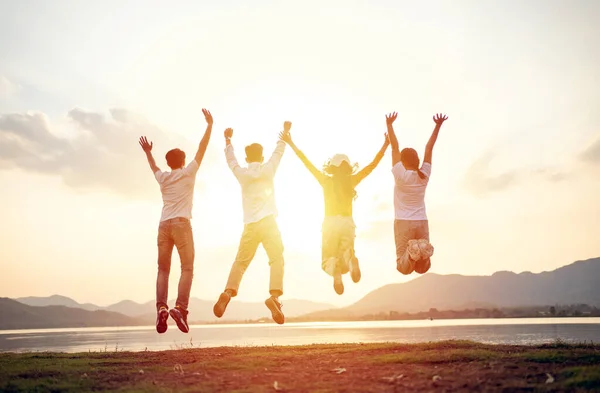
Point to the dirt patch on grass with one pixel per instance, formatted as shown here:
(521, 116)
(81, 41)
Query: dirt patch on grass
(445, 366)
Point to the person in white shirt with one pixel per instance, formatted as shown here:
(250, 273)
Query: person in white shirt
(411, 227)
(175, 229)
(258, 202)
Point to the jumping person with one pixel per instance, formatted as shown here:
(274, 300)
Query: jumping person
(177, 188)
(338, 180)
(411, 227)
(260, 211)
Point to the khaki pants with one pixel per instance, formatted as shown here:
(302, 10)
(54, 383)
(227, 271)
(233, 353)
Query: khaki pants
(337, 244)
(405, 230)
(266, 232)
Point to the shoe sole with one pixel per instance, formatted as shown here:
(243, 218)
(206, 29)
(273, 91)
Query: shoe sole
(276, 313)
(162, 325)
(415, 255)
(355, 275)
(180, 324)
(221, 305)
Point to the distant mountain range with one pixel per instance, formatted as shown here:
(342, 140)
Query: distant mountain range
(572, 284)
(16, 315)
(200, 310)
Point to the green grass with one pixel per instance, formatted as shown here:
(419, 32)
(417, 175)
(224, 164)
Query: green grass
(462, 366)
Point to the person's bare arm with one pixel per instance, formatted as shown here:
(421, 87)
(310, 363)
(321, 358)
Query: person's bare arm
(206, 138)
(389, 121)
(363, 173)
(439, 119)
(287, 138)
(147, 147)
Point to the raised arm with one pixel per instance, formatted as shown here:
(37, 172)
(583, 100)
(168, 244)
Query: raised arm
(232, 162)
(389, 121)
(439, 120)
(147, 147)
(206, 138)
(287, 138)
(272, 164)
(363, 173)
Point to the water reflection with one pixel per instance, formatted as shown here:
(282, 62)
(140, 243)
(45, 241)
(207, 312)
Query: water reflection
(495, 331)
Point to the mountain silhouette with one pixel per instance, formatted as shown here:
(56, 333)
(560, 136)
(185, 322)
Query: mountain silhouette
(16, 315)
(576, 283)
(200, 310)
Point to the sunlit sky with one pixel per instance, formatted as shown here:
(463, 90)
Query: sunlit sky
(516, 171)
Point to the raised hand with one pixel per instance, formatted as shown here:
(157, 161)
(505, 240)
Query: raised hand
(287, 125)
(228, 133)
(387, 139)
(390, 118)
(286, 136)
(147, 147)
(207, 116)
(439, 118)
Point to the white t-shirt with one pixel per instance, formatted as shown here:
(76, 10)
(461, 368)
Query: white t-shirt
(409, 192)
(177, 188)
(256, 180)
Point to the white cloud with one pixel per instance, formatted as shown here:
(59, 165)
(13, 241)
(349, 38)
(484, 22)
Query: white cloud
(103, 152)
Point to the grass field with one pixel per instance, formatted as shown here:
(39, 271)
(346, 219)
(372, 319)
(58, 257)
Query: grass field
(444, 366)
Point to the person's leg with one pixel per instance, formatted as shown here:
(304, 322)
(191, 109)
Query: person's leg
(422, 232)
(165, 250)
(247, 249)
(273, 245)
(402, 235)
(347, 238)
(330, 262)
(184, 241)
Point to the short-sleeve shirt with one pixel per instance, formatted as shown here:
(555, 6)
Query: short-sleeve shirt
(409, 192)
(177, 188)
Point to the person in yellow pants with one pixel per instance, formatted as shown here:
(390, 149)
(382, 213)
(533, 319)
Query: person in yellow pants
(260, 226)
(339, 180)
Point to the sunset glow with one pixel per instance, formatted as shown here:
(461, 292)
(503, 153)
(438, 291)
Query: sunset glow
(515, 179)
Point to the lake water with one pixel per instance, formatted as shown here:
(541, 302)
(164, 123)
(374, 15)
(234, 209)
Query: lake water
(495, 331)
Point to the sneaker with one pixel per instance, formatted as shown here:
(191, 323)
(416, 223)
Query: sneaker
(425, 248)
(275, 306)
(221, 304)
(354, 270)
(338, 284)
(161, 320)
(180, 317)
(414, 252)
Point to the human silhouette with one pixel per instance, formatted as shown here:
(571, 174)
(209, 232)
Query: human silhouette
(260, 225)
(411, 226)
(338, 180)
(175, 229)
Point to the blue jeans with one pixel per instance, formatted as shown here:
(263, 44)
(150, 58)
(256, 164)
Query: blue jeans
(176, 232)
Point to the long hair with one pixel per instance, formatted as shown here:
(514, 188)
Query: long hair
(341, 178)
(410, 160)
